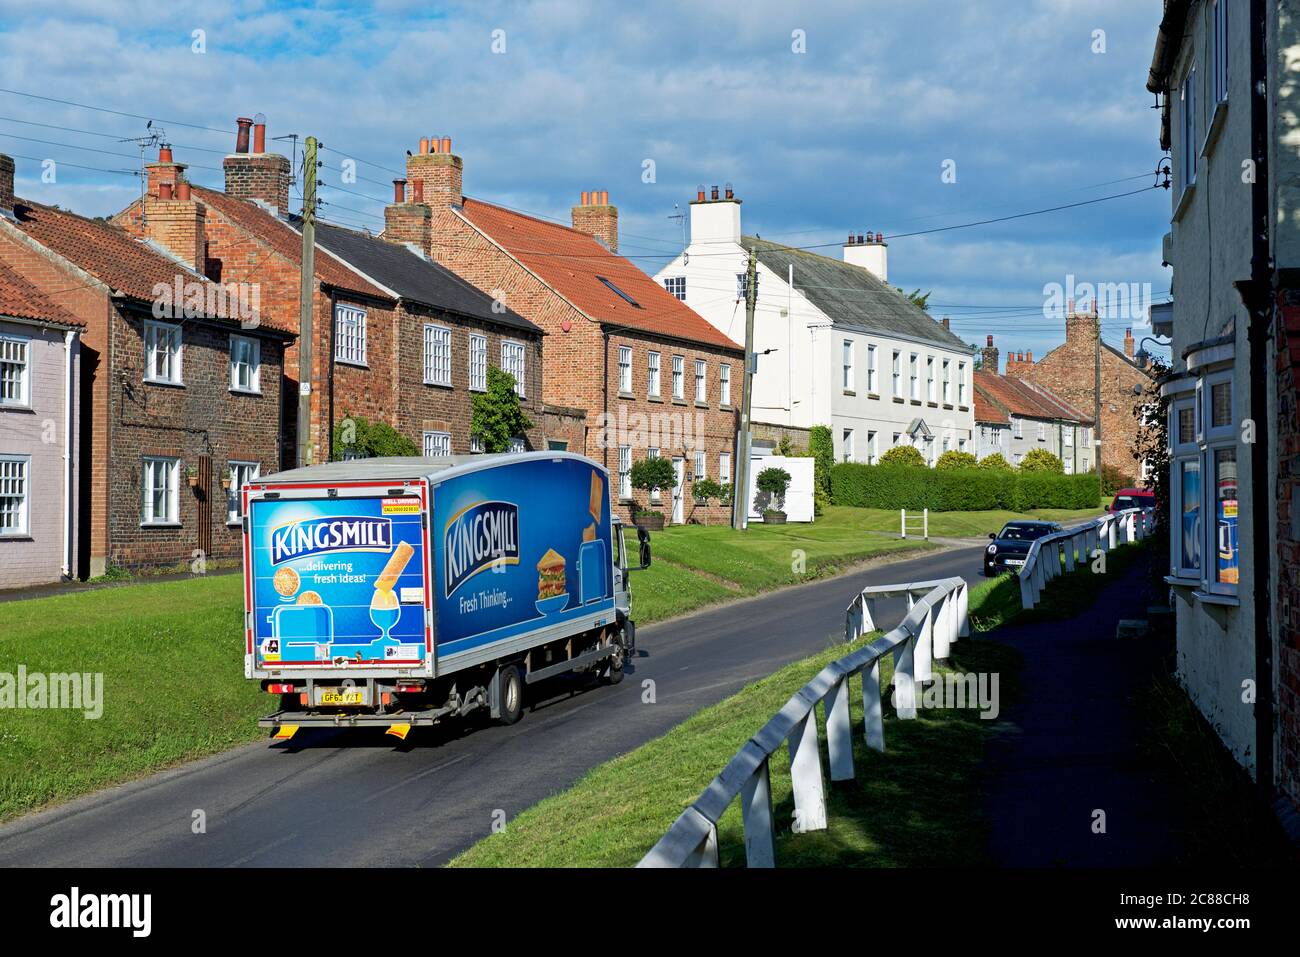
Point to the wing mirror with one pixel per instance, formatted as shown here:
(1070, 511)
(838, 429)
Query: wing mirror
(643, 546)
(993, 535)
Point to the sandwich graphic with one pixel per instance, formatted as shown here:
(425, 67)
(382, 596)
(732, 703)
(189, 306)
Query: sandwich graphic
(550, 576)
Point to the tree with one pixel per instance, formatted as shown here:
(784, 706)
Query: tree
(903, 455)
(707, 489)
(358, 438)
(497, 418)
(997, 461)
(916, 298)
(953, 459)
(774, 481)
(653, 475)
(1041, 460)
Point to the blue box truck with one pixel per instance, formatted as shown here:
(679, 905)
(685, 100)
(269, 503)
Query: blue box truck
(396, 592)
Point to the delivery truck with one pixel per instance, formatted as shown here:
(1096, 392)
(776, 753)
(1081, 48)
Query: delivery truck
(397, 592)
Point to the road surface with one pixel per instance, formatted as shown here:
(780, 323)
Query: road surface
(359, 798)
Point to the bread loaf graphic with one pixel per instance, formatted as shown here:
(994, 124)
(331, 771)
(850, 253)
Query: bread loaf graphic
(396, 565)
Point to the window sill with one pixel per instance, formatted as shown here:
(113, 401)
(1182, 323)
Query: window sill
(701, 405)
(726, 407)
(1184, 200)
(932, 405)
(679, 402)
(626, 395)
(898, 399)
(1178, 581)
(17, 537)
(1217, 121)
(439, 385)
(963, 408)
(655, 398)
(251, 392)
(947, 405)
(1214, 598)
(160, 525)
(164, 382)
(6, 407)
(351, 362)
(913, 401)
(873, 395)
(849, 392)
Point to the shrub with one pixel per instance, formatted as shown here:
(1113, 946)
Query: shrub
(496, 417)
(774, 481)
(821, 446)
(1041, 460)
(952, 459)
(707, 489)
(995, 461)
(355, 437)
(903, 455)
(969, 489)
(1113, 478)
(650, 475)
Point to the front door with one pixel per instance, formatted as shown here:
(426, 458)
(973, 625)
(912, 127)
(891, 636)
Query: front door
(679, 472)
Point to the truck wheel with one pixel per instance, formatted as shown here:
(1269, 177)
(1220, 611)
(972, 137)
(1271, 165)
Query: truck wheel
(510, 694)
(614, 663)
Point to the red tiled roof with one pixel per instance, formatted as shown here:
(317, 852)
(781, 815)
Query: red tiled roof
(284, 240)
(107, 252)
(22, 300)
(573, 263)
(1020, 398)
(986, 411)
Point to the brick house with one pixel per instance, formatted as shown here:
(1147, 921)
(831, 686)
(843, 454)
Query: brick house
(1019, 416)
(374, 304)
(652, 377)
(1068, 372)
(40, 375)
(179, 392)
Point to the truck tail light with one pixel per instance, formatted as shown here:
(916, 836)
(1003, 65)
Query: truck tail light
(302, 698)
(279, 688)
(410, 688)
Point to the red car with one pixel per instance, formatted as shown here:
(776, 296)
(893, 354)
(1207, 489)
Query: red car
(1132, 498)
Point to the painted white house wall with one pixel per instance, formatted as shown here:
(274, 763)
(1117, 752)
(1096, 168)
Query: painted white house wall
(802, 381)
(798, 505)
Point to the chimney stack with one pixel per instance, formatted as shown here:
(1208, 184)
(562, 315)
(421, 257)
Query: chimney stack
(870, 252)
(438, 174)
(259, 175)
(1081, 328)
(175, 220)
(1128, 343)
(717, 218)
(409, 223)
(990, 357)
(164, 172)
(596, 217)
(945, 323)
(6, 186)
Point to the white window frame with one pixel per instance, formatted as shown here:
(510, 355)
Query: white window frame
(19, 468)
(514, 362)
(947, 382)
(914, 383)
(872, 448)
(846, 361)
(846, 445)
(1189, 148)
(679, 377)
(931, 383)
(171, 495)
(254, 365)
(1018, 427)
(1219, 40)
(871, 369)
(174, 344)
(349, 334)
(961, 384)
(478, 362)
(625, 370)
(724, 467)
(437, 354)
(676, 286)
(16, 354)
(700, 466)
(241, 473)
(432, 440)
(724, 384)
(897, 370)
(1042, 431)
(654, 368)
(625, 471)
(475, 445)
(701, 380)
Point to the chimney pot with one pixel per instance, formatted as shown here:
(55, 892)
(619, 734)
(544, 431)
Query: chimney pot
(604, 197)
(586, 197)
(880, 237)
(241, 137)
(946, 323)
(713, 194)
(424, 145)
(164, 154)
(699, 195)
(399, 191)
(860, 239)
(730, 193)
(1029, 355)
(164, 190)
(446, 144)
(259, 137)
(183, 191)
(990, 340)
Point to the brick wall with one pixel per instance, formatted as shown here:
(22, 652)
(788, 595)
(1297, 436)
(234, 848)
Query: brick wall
(263, 176)
(1287, 598)
(560, 424)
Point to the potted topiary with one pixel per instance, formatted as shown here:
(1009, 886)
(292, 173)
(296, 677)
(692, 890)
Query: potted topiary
(774, 482)
(652, 475)
(192, 473)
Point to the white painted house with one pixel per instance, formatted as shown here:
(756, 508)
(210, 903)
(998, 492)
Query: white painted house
(836, 344)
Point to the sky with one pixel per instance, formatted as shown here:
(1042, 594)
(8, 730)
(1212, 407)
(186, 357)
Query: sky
(892, 116)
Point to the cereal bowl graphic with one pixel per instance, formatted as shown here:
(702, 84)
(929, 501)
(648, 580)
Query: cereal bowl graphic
(552, 590)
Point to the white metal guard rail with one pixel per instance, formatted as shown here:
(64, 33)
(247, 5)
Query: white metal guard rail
(1075, 546)
(935, 619)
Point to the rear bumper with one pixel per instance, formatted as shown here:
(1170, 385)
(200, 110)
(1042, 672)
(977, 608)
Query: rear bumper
(310, 719)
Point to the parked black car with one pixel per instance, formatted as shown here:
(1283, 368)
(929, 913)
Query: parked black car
(1009, 547)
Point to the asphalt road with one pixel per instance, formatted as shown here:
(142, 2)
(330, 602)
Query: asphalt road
(356, 797)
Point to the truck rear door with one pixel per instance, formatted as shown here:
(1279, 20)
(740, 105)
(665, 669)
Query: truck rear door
(337, 577)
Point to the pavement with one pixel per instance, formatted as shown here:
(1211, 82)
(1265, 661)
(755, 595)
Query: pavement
(1069, 748)
(357, 797)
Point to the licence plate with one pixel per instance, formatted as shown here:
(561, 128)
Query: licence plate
(341, 697)
(1015, 561)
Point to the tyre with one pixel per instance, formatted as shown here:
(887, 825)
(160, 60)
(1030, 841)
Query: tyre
(510, 694)
(614, 663)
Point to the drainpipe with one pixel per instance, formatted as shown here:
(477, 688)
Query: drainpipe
(69, 337)
(604, 452)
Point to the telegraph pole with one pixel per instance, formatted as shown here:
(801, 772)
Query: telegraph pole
(1096, 389)
(306, 289)
(740, 496)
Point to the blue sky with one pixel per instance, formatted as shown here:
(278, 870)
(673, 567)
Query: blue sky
(851, 134)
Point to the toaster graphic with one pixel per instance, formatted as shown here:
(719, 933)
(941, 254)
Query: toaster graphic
(300, 629)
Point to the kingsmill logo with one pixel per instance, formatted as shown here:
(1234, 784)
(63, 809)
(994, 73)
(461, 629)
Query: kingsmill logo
(479, 537)
(314, 536)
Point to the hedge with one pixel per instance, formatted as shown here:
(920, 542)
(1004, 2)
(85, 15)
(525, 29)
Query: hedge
(959, 490)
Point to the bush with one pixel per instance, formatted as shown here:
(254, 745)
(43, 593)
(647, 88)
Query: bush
(903, 455)
(774, 482)
(651, 475)
(1041, 460)
(355, 437)
(978, 489)
(706, 490)
(821, 446)
(952, 459)
(995, 461)
(1113, 478)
